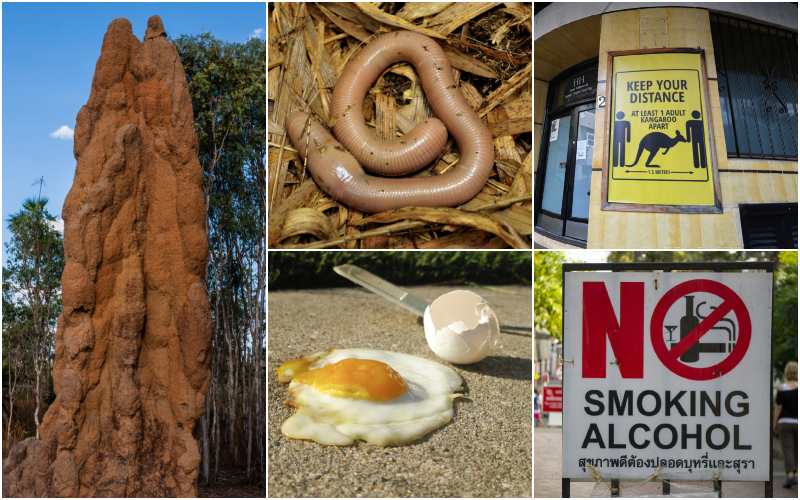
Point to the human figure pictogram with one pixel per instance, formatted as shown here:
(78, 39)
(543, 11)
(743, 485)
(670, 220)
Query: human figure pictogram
(622, 134)
(694, 134)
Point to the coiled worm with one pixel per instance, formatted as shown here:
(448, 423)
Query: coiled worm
(339, 172)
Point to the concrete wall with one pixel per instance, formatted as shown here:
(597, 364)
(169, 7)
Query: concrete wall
(686, 27)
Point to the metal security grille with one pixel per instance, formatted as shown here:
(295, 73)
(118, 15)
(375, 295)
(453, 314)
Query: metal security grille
(769, 225)
(757, 81)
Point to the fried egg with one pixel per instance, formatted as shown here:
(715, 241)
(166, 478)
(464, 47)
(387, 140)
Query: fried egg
(382, 397)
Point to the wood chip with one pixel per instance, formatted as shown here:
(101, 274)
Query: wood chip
(518, 217)
(351, 29)
(468, 63)
(459, 13)
(471, 239)
(415, 10)
(523, 182)
(511, 126)
(299, 198)
(501, 33)
(302, 221)
(522, 78)
(372, 11)
(455, 217)
(309, 45)
(385, 116)
(353, 13)
(519, 108)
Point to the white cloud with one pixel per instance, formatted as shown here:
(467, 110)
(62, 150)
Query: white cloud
(256, 33)
(58, 225)
(64, 132)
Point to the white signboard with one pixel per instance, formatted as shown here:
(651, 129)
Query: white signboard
(669, 369)
(554, 130)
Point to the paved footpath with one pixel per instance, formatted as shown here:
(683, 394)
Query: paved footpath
(547, 473)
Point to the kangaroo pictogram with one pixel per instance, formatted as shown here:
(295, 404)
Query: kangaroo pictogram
(654, 141)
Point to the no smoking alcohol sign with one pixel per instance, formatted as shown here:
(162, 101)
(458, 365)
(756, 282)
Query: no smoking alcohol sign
(679, 355)
(667, 366)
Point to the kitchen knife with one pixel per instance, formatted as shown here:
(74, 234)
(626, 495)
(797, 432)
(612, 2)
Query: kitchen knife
(398, 295)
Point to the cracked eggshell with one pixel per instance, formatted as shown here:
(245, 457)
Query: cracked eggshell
(461, 327)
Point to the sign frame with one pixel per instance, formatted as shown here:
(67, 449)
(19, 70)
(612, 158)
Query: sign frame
(768, 267)
(716, 208)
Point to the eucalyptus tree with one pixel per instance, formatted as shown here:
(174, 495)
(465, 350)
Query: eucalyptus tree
(227, 82)
(16, 320)
(32, 287)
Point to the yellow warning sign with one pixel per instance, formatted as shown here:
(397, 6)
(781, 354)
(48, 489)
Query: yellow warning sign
(659, 149)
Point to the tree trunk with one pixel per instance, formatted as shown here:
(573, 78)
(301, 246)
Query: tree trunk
(231, 387)
(204, 439)
(249, 409)
(37, 392)
(12, 387)
(216, 440)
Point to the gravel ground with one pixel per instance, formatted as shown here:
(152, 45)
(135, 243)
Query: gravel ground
(485, 451)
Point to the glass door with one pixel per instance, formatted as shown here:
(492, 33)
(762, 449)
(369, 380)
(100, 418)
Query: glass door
(556, 174)
(568, 173)
(556, 164)
(583, 165)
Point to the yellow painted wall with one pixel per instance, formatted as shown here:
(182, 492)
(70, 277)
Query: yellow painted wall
(685, 27)
(539, 105)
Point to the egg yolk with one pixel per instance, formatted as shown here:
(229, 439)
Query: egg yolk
(355, 378)
(291, 369)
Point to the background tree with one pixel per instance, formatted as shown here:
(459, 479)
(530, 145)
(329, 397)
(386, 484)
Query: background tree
(547, 288)
(683, 256)
(15, 358)
(227, 83)
(32, 287)
(314, 269)
(784, 313)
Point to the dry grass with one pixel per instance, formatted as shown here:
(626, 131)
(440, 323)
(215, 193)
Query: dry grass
(22, 425)
(489, 46)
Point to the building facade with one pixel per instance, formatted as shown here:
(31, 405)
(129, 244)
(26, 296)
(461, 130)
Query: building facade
(732, 184)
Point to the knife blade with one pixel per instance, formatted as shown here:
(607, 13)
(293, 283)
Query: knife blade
(397, 295)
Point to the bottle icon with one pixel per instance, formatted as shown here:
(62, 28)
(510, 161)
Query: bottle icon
(687, 324)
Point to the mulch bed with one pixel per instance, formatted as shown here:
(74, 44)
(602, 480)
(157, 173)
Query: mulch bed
(489, 46)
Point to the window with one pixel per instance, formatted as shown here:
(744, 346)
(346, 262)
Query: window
(769, 225)
(757, 80)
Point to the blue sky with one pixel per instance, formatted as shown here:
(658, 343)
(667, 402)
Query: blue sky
(49, 53)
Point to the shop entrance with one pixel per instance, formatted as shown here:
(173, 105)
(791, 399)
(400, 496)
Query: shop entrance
(568, 174)
(564, 183)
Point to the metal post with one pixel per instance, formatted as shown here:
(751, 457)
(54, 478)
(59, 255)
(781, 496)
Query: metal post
(564, 480)
(768, 482)
(665, 486)
(615, 488)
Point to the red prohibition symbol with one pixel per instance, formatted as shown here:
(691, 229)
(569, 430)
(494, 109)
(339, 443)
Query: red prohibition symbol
(730, 302)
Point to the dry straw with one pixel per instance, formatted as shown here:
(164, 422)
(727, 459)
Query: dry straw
(309, 44)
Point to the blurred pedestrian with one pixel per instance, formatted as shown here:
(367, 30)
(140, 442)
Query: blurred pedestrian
(537, 413)
(785, 423)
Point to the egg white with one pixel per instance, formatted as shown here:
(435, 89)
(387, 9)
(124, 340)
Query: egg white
(331, 420)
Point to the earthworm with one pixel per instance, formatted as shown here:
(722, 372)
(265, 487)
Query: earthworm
(340, 173)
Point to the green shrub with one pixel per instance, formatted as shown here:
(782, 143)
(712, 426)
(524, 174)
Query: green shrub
(293, 270)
